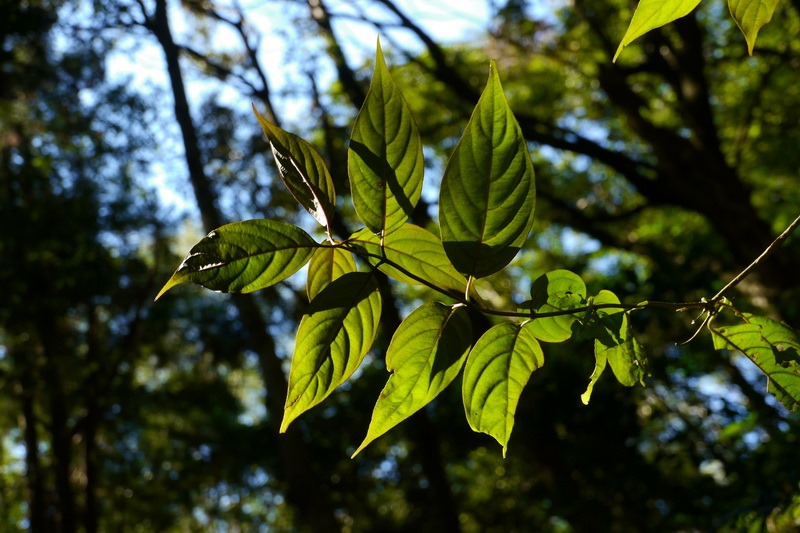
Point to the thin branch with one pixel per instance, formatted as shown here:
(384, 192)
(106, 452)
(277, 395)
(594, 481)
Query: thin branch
(744, 273)
(462, 299)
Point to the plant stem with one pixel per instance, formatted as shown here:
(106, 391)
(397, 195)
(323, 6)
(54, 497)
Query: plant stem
(744, 273)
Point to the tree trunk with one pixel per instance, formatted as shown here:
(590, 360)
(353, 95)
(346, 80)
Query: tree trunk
(305, 490)
(33, 473)
(61, 436)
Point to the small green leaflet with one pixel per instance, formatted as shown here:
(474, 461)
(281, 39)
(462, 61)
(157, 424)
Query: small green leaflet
(599, 366)
(750, 16)
(327, 264)
(384, 159)
(614, 344)
(558, 290)
(303, 171)
(334, 335)
(652, 14)
(627, 360)
(487, 197)
(245, 257)
(417, 251)
(497, 370)
(426, 354)
(773, 347)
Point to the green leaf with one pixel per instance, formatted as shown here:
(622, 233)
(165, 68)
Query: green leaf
(417, 251)
(773, 347)
(559, 290)
(327, 264)
(486, 202)
(425, 355)
(614, 344)
(607, 324)
(599, 366)
(652, 14)
(334, 335)
(497, 370)
(750, 16)
(384, 159)
(245, 257)
(303, 171)
(627, 360)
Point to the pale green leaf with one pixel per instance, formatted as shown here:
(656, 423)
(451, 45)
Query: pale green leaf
(327, 264)
(334, 335)
(559, 290)
(652, 14)
(498, 368)
(384, 159)
(751, 16)
(487, 197)
(773, 347)
(425, 355)
(599, 366)
(303, 171)
(416, 251)
(245, 257)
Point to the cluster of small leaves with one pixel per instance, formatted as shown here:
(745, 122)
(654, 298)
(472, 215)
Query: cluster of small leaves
(486, 208)
(749, 15)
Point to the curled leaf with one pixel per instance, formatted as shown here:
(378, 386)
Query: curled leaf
(302, 170)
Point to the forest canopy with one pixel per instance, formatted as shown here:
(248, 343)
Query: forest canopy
(660, 157)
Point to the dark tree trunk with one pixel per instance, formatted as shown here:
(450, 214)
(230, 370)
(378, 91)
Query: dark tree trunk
(33, 472)
(61, 435)
(305, 489)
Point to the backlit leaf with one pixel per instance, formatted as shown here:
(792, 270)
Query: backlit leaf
(606, 324)
(558, 290)
(773, 347)
(497, 369)
(426, 354)
(750, 16)
(486, 202)
(303, 171)
(627, 360)
(384, 159)
(614, 344)
(327, 264)
(245, 257)
(652, 14)
(334, 335)
(417, 251)
(599, 366)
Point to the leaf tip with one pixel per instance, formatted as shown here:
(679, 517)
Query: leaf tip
(363, 445)
(288, 417)
(167, 286)
(493, 69)
(379, 59)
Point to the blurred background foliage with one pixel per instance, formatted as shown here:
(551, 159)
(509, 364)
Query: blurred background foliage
(659, 177)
